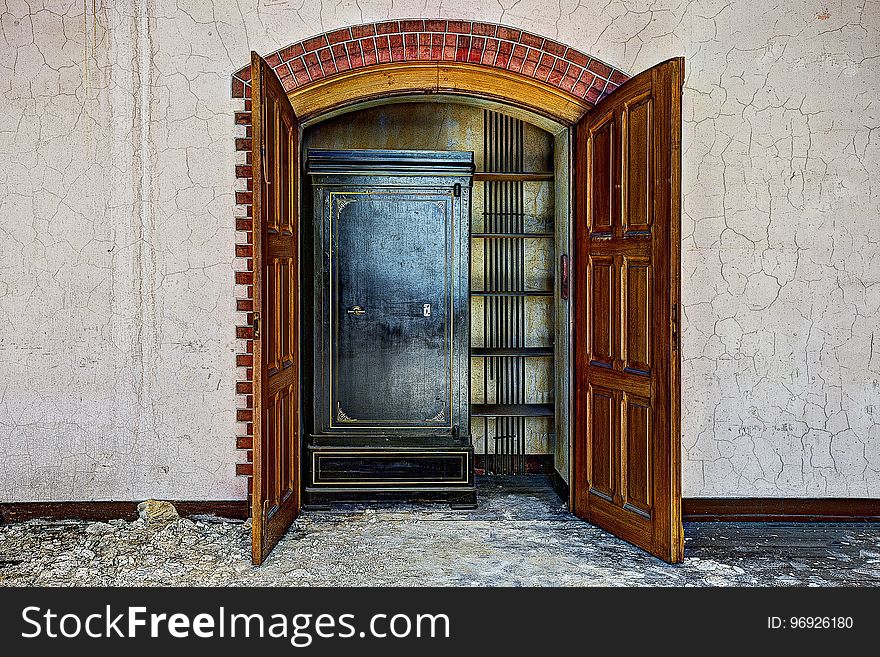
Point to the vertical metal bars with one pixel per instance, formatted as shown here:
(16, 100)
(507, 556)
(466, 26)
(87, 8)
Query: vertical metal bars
(504, 317)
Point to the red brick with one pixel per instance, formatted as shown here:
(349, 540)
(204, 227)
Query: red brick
(291, 51)
(244, 332)
(314, 43)
(243, 171)
(273, 60)
(244, 305)
(244, 74)
(490, 52)
(244, 198)
(599, 68)
(388, 27)
(242, 469)
(531, 40)
(435, 26)
(517, 57)
(237, 88)
(476, 50)
(244, 360)
(244, 278)
(244, 415)
(577, 57)
(361, 31)
(370, 56)
(340, 57)
(531, 62)
(436, 47)
(459, 27)
(397, 52)
(249, 426)
(411, 46)
(583, 85)
(503, 56)
(283, 71)
(249, 455)
(247, 103)
(242, 223)
(355, 56)
(243, 118)
(508, 33)
(244, 442)
(449, 47)
(462, 49)
(571, 77)
(545, 65)
(383, 50)
(592, 95)
(558, 72)
(326, 59)
(244, 388)
(425, 46)
(300, 74)
(618, 77)
(338, 36)
(554, 48)
(412, 26)
(483, 29)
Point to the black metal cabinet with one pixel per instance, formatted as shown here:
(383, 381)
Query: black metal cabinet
(391, 325)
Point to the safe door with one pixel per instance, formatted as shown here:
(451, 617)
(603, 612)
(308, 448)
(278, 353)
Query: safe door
(391, 300)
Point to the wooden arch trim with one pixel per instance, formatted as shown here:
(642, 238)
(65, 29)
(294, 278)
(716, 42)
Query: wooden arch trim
(362, 63)
(434, 56)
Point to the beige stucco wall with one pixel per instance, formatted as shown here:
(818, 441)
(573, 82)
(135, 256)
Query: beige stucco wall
(116, 234)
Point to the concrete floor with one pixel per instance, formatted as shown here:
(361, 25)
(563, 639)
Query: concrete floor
(521, 535)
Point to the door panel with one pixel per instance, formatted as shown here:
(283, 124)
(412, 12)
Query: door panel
(275, 493)
(391, 295)
(626, 365)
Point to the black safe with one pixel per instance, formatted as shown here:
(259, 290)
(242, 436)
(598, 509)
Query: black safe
(390, 325)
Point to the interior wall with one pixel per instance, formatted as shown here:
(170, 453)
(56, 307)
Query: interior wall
(116, 193)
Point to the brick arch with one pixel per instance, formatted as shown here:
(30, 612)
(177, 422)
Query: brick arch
(319, 58)
(429, 40)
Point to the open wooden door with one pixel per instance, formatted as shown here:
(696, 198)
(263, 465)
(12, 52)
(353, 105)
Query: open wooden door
(275, 164)
(627, 297)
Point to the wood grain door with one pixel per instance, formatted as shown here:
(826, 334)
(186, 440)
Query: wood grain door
(626, 367)
(275, 162)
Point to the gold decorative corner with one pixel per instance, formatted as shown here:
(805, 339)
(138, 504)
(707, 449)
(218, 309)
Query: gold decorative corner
(341, 415)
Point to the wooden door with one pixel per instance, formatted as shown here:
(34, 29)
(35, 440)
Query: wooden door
(627, 300)
(275, 162)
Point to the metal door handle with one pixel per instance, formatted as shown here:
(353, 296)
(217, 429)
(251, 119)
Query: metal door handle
(356, 310)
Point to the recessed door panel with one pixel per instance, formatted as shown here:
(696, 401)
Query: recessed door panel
(390, 301)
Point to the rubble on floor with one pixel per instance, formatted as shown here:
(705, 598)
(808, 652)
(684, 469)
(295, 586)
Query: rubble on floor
(520, 535)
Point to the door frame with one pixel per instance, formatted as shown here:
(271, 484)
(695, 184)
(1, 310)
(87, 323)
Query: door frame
(536, 101)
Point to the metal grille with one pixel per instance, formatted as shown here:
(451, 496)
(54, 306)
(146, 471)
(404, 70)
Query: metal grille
(504, 316)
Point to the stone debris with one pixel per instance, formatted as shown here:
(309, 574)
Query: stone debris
(157, 514)
(511, 539)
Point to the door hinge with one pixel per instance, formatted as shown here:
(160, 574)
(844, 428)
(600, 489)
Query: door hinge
(675, 327)
(256, 325)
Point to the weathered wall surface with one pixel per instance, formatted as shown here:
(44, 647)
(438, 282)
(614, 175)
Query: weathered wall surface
(116, 293)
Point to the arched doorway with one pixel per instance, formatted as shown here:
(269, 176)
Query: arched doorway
(624, 189)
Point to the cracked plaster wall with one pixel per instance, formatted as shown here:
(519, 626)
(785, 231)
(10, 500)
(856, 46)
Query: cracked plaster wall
(116, 194)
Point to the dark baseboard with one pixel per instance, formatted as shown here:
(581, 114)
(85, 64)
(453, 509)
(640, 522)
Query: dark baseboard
(694, 509)
(109, 510)
(535, 463)
(559, 485)
(782, 509)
